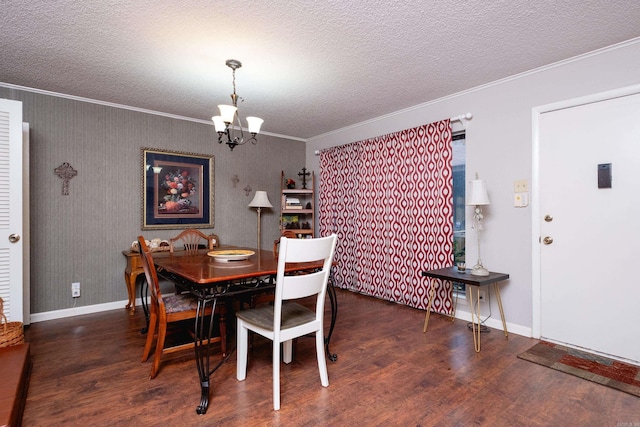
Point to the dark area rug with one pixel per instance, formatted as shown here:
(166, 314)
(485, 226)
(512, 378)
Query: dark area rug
(601, 370)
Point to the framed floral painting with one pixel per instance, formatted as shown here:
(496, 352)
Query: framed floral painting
(177, 190)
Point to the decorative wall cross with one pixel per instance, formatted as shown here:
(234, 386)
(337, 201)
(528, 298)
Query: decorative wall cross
(304, 174)
(66, 172)
(235, 180)
(247, 190)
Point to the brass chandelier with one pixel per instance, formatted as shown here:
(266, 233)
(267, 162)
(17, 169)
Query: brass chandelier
(228, 122)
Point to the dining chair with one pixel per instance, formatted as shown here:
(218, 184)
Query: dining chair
(285, 320)
(267, 297)
(168, 309)
(290, 234)
(191, 240)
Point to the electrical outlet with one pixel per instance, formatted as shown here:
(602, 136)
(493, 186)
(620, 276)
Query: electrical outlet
(75, 290)
(483, 296)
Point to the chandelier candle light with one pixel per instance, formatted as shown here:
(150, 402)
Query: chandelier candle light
(229, 119)
(478, 198)
(260, 201)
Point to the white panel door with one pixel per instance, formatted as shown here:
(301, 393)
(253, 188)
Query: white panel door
(589, 289)
(11, 243)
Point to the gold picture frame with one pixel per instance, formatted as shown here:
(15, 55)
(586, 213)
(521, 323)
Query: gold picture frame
(177, 190)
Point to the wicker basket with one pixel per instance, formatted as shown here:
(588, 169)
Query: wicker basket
(11, 333)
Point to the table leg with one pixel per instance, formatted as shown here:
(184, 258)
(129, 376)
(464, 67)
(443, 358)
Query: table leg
(202, 338)
(455, 303)
(475, 313)
(504, 323)
(333, 299)
(130, 281)
(432, 292)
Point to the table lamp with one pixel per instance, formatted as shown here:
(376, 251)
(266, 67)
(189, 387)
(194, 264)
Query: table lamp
(260, 200)
(478, 198)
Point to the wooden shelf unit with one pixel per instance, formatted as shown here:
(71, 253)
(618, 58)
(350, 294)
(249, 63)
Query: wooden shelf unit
(305, 216)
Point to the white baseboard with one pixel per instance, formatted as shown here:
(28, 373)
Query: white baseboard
(496, 323)
(493, 322)
(77, 311)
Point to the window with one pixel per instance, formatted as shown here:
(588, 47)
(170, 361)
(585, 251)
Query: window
(459, 165)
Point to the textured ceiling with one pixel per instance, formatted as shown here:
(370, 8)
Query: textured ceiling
(309, 67)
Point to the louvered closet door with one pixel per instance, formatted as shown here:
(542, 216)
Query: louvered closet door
(11, 179)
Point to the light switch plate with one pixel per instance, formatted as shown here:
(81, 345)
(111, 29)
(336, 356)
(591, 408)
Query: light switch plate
(520, 186)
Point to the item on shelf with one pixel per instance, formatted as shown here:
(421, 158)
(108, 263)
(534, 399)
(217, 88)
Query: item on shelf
(292, 203)
(304, 174)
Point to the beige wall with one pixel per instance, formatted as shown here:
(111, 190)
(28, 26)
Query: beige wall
(80, 237)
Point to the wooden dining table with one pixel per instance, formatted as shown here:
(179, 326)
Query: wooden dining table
(210, 279)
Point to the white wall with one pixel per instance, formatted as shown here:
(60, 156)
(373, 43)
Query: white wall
(499, 148)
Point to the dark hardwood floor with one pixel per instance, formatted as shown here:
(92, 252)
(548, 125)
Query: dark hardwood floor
(87, 371)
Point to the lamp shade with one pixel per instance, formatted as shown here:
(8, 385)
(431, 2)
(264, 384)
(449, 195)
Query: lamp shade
(227, 112)
(254, 123)
(478, 195)
(260, 200)
(219, 123)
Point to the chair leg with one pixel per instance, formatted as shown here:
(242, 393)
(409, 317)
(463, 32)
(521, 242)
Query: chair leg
(151, 331)
(241, 351)
(276, 375)
(287, 351)
(162, 334)
(322, 364)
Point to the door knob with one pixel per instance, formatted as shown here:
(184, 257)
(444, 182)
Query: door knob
(547, 240)
(548, 218)
(13, 238)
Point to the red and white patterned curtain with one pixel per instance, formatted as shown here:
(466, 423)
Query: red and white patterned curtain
(390, 201)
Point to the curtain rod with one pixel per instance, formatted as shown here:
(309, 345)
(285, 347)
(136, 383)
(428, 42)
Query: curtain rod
(460, 118)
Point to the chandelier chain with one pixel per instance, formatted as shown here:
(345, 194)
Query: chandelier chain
(234, 97)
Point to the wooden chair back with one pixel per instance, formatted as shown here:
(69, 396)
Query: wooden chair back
(215, 240)
(191, 240)
(290, 234)
(152, 278)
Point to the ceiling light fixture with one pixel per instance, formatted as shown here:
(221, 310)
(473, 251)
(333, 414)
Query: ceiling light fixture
(228, 122)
